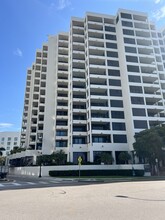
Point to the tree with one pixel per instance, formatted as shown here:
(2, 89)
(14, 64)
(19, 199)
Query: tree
(59, 157)
(106, 158)
(149, 145)
(124, 157)
(1, 150)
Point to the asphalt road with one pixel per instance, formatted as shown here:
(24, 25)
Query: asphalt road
(28, 182)
(112, 201)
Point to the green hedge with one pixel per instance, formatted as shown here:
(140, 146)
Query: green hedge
(57, 173)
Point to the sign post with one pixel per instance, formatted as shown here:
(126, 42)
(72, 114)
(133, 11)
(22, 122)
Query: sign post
(79, 163)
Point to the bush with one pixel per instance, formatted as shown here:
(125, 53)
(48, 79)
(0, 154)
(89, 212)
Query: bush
(57, 173)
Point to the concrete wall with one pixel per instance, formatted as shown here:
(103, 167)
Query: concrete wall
(34, 171)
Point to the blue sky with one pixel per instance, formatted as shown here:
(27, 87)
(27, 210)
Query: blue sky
(25, 25)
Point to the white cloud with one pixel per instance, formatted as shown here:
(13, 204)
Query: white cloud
(18, 52)
(5, 125)
(159, 14)
(63, 4)
(157, 1)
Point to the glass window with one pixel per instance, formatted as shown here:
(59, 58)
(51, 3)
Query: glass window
(130, 50)
(9, 139)
(116, 103)
(61, 143)
(114, 82)
(125, 15)
(61, 133)
(111, 45)
(112, 54)
(115, 92)
(118, 126)
(132, 59)
(79, 140)
(2, 139)
(140, 124)
(8, 143)
(134, 69)
(113, 72)
(137, 100)
(110, 37)
(109, 28)
(117, 114)
(138, 112)
(136, 89)
(101, 139)
(15, 143)
(128, 32)
(132, 78)
(127, 24)
(119, 138)
(113, 63)
(129, 40)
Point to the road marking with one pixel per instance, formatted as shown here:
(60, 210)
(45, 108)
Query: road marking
(1, 185)
(31, 183)
(16, 184)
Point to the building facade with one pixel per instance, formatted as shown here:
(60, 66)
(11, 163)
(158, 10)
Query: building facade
(92, 89)
(8, 140)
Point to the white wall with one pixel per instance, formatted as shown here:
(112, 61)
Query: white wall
(34, 171)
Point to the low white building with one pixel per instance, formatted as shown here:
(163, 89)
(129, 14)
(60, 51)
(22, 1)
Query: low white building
(8, 140)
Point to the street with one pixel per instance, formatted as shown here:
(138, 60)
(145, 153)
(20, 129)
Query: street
(27, 182)
(115, 201)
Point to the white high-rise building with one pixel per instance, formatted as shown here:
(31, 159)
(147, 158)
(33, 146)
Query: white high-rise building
(90, 90)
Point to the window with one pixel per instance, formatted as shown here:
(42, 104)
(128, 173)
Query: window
(132, 59)
(119, 138)
(101, 139)
(15, 139)
(129, 40)
(132, 78)
(137, 100)
(128, 32)
(125, 15)
(61, 133)
(114, 82)
(127, 24)
(15, 143)
(109, 28)
(130, 50)
(118, 126)
(117, 114)
(115, 92)
(2, 139)
(9, 139)
(78, 140)
(116, 103)
(140, 124)
(112, 54)
(8, 143)
(135, 89)
(110, 37)
(138, 112)
(61, 143)
(111, 45)
(112, 63)
(134, 69)
(113, 72)
(62, 123)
